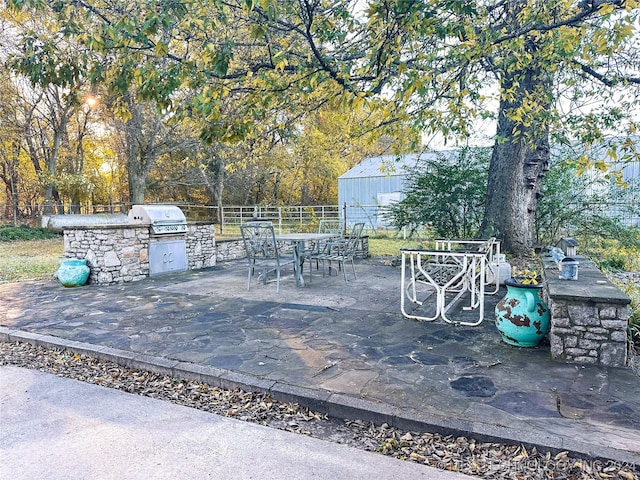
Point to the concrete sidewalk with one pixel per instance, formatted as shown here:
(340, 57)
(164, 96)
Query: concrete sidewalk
(55, 428)
(343, 349)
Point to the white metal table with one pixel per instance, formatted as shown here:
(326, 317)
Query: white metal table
(490, 247)
(446, 270)
(299, 240)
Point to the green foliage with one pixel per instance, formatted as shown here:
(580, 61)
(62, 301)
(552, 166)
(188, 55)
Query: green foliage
(578, 203)
(441, 66)
(633, 290)
(446, 194)
(613, 254)
(9, 233)
(615, 262)
(282, 52)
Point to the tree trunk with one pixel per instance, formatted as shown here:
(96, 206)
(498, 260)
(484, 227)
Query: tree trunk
(147, 139)
(50, 193)
(13, 194)
(519, 161)
(78, 164)
(11, 179)
(137, 185)
(136, 165)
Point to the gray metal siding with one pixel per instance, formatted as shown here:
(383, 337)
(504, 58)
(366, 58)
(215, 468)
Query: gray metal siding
(631, 171)
(359, 187)
(364, 191)
(360, 196)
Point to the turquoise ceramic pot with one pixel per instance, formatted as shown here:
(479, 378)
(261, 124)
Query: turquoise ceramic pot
(73, 272)
(522, 318)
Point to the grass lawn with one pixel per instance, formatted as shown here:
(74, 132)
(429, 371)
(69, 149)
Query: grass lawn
(29, 259)
(390, 246)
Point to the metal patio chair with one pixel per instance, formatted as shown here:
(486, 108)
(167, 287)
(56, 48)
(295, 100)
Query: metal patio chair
(335, 226)
(262, 251)
(331, 226)
(341, 251)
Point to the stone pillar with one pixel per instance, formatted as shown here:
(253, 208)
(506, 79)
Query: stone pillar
(362, 250)
(589, 317)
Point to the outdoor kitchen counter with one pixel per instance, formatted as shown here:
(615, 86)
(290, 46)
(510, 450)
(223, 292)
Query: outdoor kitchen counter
(120, 253)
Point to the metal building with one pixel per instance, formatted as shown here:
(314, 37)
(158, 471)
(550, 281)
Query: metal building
(373, 183)
(623, 203)
(378, 181)
(628, 210)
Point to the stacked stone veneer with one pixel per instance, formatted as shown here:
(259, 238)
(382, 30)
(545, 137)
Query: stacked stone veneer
(201, 246)
(120, 253)
(362, 250)
(233, 249)
(589, 316)
(230, 249)
(114, 253)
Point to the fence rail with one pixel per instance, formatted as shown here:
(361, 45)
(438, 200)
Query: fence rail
(285, 218)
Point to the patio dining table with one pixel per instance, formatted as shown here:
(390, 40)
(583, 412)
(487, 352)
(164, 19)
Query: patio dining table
(446, 270)
(299, 241)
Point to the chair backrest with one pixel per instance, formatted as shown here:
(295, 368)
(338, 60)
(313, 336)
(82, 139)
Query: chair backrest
(331, 226)
(353, 238)
(259, 241)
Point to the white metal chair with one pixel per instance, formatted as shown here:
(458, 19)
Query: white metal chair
(490, 247)
(262, 251)
(443, 272)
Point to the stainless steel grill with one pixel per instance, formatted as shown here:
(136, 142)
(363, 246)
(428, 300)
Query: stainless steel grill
(167, 244)
(163, 219)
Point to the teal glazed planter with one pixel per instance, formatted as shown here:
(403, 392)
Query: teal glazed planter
(73, 272)
(522, 317)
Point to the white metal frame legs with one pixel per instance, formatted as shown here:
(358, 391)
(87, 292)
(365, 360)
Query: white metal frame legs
(445, 272)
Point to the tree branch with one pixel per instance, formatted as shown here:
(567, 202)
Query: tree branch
(588, 9)
(609, 82)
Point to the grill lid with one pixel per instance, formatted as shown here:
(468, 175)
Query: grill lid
(163, 219)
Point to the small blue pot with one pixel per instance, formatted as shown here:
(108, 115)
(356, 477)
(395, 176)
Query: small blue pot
(522, 317)
(73, 272)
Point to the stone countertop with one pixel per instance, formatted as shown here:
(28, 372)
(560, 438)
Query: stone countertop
(591, 285)
(125, 224)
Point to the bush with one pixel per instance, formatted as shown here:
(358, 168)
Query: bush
(584, 204)
(445, 194)
(613, 255)
(633, 290)
(614, 263)
(10, 233)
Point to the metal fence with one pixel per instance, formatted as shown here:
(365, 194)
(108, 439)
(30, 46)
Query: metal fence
(285, 218)
(305, 217)
(290, 218)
